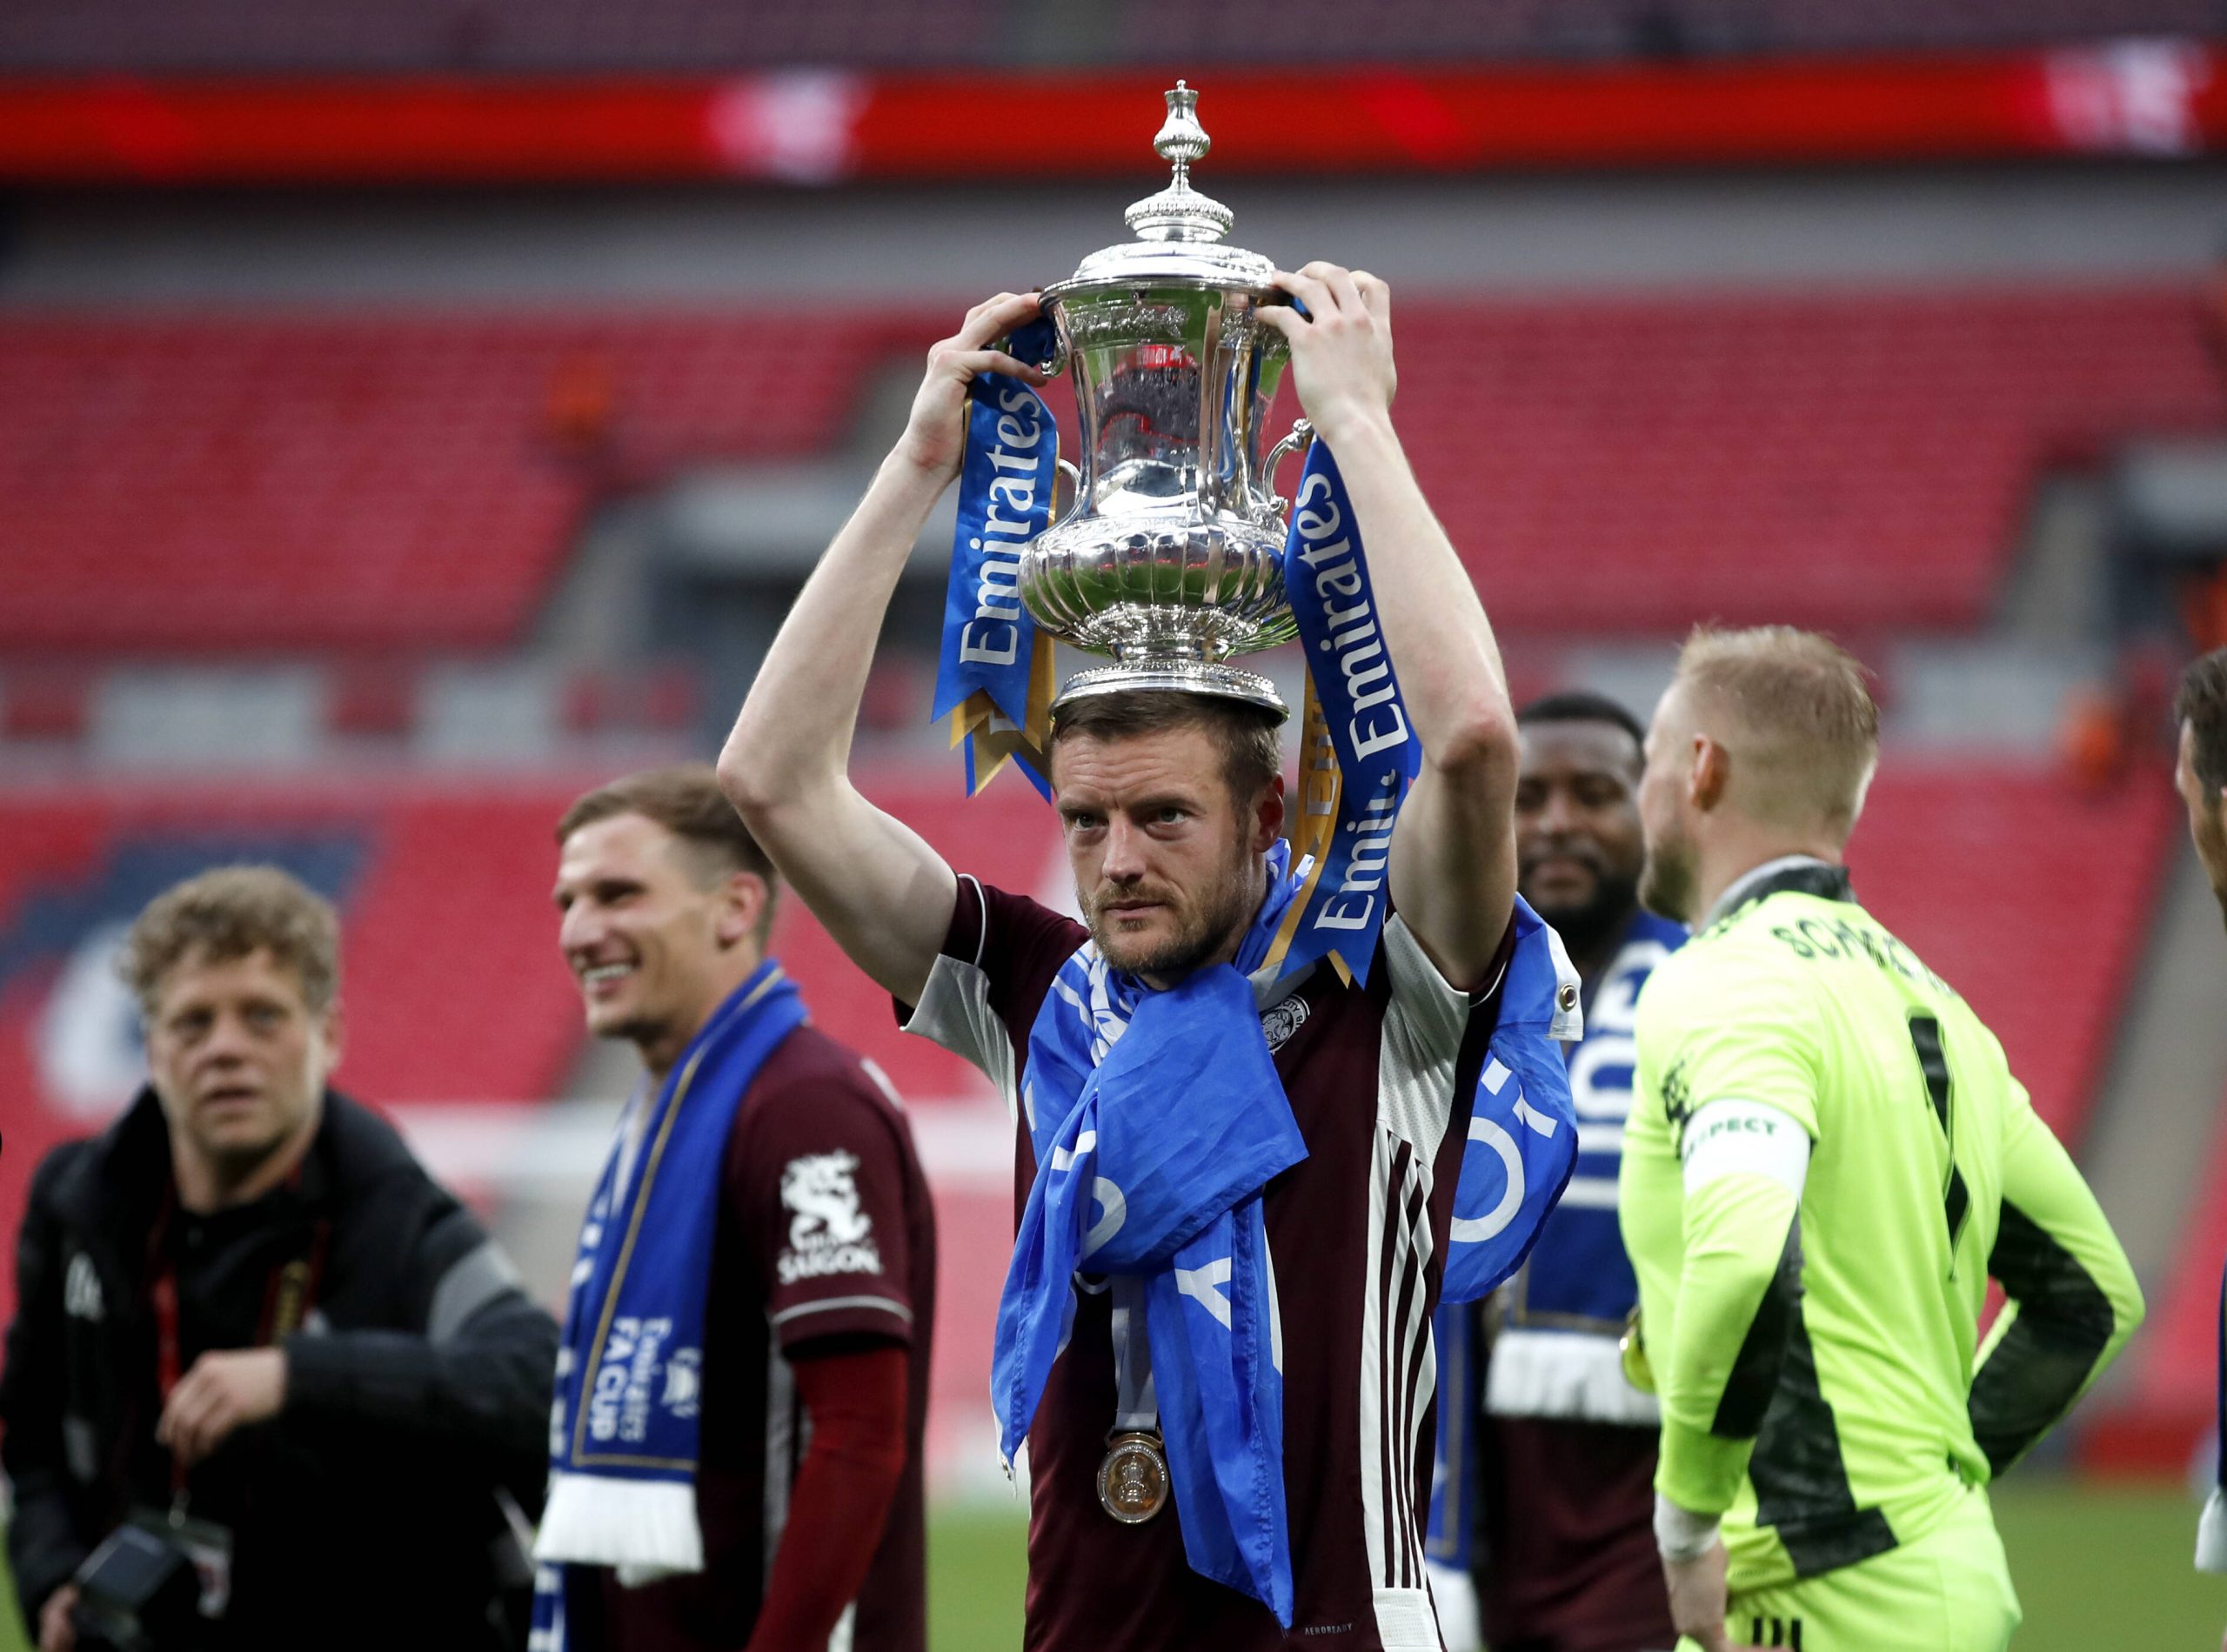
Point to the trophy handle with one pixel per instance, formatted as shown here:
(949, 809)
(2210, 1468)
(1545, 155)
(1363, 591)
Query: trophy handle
(1073, 472)
(1302, 438)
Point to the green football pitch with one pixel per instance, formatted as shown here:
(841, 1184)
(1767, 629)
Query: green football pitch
(2099, 1570)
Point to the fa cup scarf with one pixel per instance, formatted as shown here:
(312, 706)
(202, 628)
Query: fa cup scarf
(622, 1430)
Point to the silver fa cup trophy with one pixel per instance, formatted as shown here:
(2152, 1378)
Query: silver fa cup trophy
(1171, 558)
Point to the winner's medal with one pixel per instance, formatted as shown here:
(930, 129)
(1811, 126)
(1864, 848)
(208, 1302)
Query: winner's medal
(1133, 1480)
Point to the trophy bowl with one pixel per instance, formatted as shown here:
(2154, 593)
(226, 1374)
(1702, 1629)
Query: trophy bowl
(1171, 557)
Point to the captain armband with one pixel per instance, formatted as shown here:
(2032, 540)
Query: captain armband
(1727, 1137)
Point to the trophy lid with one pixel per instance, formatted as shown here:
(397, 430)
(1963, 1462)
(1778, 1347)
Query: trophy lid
(1178, 230)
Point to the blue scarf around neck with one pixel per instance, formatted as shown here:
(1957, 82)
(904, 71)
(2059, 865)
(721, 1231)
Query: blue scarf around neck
(1158, 1118)
(623, 1452)
(1155, 1130)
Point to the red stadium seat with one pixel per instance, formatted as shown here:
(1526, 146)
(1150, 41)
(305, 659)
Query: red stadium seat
(214, 485)
(2030, 898)
(1624, 464)
(1852, 462)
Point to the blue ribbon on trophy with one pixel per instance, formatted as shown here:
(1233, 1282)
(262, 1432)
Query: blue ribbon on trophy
(1357, 755)
(994, 674)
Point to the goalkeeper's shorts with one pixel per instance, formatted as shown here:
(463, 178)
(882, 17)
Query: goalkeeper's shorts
(1949, 1591)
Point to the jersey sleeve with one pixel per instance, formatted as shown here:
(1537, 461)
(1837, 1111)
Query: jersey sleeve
(1731, 1054)
(819, 1179)
(1732, 1029)
(998, 961)
(2073, 1298)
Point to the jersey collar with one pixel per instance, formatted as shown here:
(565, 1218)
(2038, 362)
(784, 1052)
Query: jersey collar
(1798, 874)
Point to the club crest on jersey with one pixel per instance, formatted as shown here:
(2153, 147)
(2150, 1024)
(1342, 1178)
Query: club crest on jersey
(828, 1233)
(1280, 1021)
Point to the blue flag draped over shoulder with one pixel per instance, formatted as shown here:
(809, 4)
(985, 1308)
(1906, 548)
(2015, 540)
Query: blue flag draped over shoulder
(1523, 1125)
(994, 671)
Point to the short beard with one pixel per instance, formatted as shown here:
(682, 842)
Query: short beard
(1587, 927)
(1225, 909)
(1665, 882)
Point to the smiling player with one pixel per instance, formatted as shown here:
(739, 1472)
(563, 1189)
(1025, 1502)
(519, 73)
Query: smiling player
(764, 1193)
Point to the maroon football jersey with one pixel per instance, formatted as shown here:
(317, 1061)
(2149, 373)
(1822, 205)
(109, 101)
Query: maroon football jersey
(1380, 1080)
(824, 1230)
(1568, 1562)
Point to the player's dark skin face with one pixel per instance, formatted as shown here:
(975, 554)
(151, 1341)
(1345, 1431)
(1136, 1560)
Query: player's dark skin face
(1579, 846)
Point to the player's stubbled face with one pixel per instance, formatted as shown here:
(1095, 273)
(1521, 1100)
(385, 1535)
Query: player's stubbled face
(1167, 869)
(1666, 881)
(237, 1055)
(639, 931)
(2206, 827)
(1578, 842)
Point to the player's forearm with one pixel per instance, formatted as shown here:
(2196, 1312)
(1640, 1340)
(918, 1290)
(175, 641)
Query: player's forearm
(1737, 1294)
(2074, 1301)
(2074, 1304)
(794, 730)
(1453, 865)
(842, 1501)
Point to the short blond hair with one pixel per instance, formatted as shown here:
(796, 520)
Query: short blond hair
(232, 912)
(1793, 709)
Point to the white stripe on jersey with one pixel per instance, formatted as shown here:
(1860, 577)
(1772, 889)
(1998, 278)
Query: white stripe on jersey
(1420, 1048)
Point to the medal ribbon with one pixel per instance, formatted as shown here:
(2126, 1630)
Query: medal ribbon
(994, 672)
(1358, 753)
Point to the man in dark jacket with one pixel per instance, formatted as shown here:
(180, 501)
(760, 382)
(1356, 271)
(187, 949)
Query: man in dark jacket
(247, 1314)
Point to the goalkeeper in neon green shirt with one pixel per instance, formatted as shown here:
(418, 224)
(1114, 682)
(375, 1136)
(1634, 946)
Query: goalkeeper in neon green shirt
(1827, 1158)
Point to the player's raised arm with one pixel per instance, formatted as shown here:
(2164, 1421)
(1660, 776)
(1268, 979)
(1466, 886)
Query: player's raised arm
(1453, 860)
(882, 892)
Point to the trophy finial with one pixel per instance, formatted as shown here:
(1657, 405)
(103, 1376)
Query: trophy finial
(1181, 140)
(1179, 212)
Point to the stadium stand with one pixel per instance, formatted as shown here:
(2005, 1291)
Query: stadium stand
(2179, 1368)
(1418, 30)
(363, 483)
(1606, 465)
(509, 35)
(1839, 460)
(2031, 898)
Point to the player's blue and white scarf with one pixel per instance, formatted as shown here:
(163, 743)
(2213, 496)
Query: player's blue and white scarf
(1158, 1118)
(622, 1430)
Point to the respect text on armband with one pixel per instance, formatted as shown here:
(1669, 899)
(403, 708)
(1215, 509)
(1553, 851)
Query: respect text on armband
(1739, 1124)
